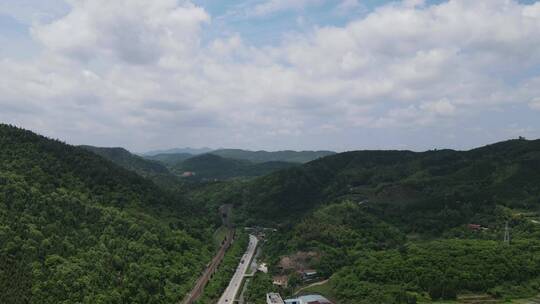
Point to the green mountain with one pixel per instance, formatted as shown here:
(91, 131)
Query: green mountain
(265, 156)
(394, 226)
(209, 166)
(170, 159)
(412, 188)
(76, 228)
(230, 163)
(126, 159)
(192, 151)
(151, 169)
(382, 226)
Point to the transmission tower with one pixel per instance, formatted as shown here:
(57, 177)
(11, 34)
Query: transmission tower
(506, 234)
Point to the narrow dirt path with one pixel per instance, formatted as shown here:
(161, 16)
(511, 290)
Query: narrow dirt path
(311, 285)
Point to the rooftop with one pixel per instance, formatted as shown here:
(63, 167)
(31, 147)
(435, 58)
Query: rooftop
(310, 299)
(273, 298)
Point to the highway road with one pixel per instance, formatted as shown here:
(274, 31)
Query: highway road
(236, 281)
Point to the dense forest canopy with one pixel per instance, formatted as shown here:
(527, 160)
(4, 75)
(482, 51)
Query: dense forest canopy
(431, 190)
(210, 166)
(76, 228)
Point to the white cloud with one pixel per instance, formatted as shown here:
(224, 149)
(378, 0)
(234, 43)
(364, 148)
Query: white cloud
(414, 3)
(441, 107)
(139, 66)
(416, 115)
(535, 104)
(350, 8)
(134, 31)
(348, 4)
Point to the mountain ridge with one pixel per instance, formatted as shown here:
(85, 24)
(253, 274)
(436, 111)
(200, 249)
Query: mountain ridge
(128, 160)
(187, 150)
(265, 156)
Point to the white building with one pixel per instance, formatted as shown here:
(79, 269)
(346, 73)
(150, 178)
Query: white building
(263, 268)
(274, 298)
(308, 299)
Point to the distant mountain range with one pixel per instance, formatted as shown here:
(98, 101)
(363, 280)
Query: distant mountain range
(265, 156)
(174, 156)
(188, 150)
(170, 159)
(166, 168)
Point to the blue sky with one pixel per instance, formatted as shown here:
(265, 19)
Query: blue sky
(269, 29)
(16, 16)
(272, 74)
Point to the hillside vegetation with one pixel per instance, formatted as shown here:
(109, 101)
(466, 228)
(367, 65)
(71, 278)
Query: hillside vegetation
(170, 159)
(440, 270)
(76, 228)
(150, 169)
(124, 158)
(392, 226)
(382, 226)
(209, 166)
(429, 191)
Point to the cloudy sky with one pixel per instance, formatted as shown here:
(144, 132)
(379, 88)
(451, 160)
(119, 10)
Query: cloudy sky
(272, 74)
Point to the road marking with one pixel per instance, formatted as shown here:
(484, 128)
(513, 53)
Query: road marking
(236, 281)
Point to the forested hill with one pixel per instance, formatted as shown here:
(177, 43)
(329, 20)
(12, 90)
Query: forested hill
(424, 190)
(188, 150)
(265, 156)
(129, 161)
(391, 227)
(151, 169)
(76, 228)
(124, 158)
(209, 166)
(170, 159)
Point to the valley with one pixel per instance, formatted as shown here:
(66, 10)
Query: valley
(270, 152)
(355, 227)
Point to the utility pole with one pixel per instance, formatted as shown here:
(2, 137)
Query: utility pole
(506, 234)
